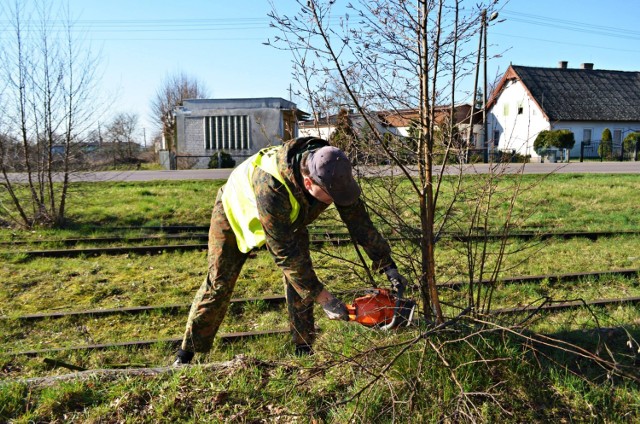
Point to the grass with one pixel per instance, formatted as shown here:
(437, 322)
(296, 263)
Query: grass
(107, 281)
(498, 375)
(289, 390)
(571, 202)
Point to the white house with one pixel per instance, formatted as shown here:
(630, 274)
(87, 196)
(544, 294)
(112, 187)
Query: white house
(324, 126)
(396, 122)
(585, 101)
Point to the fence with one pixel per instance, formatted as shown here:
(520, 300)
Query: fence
(614, 151)
(487, 155)
(189, 161)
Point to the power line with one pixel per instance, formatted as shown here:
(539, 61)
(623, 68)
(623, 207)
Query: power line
(569, 25)
(566, 43)
(160, 25)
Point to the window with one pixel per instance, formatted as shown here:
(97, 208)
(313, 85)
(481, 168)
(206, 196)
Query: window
(617, 135)
(520, 109)
(586, 135)
(226, 132)
(505, 109)
(496, 137)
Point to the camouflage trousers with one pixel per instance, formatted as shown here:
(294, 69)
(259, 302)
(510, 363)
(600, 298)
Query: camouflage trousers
(212, 299)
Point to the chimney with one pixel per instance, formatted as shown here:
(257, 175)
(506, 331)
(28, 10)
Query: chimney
(588, 66)
(563, 64)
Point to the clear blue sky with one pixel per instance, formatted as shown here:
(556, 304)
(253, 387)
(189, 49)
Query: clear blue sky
(220, 42)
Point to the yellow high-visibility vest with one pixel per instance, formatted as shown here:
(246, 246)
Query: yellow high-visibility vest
(239, 199)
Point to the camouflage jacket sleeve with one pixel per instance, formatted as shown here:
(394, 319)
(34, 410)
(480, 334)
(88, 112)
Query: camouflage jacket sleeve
(288, 245)
(365, 234)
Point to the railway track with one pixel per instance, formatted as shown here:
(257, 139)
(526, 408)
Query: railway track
(276, 299)
(279, 299)
(317, 237)
(228, 337)
(145, 343)
(321, 234)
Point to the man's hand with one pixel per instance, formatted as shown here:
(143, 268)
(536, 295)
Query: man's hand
(332, 306)
(398, 282)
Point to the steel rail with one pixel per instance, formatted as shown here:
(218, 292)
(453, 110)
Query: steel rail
(95, 251)
(320, 237)
(274, 299)
(115, 239)
(627, 272)
(148, 249)
(110, 239)
(566, 305)
(227, 337)
(166, 232)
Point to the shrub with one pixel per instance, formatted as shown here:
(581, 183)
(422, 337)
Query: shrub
(510, 156)
(344, 136)
(559, 139)
(630, 141)
(221, 159)
(606, 145)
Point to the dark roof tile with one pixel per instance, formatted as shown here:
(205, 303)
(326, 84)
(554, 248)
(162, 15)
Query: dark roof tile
(583, 94)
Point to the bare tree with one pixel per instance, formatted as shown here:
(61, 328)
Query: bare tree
(122, 133)
(171, 93)
(48, 78)
(401, 63)
(403, 58)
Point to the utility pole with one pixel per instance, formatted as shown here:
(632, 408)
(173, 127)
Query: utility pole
(475, 90)
(485, 130)
(485, 136)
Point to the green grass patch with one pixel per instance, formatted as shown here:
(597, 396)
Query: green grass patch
(487, 377)
(498, 376)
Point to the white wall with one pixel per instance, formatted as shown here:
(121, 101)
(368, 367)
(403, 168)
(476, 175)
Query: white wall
(596, 128)
(323, 132)
(517, 130)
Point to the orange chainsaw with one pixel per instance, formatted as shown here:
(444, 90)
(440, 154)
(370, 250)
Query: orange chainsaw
(380, 308)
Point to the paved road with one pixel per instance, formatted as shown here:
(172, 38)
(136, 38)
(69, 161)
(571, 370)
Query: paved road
(216, 174)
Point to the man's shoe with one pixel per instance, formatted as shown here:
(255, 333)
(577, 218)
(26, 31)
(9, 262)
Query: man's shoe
(335, 309)
(183, 357)
(304, 350)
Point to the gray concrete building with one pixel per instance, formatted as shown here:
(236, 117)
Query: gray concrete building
(239, 127)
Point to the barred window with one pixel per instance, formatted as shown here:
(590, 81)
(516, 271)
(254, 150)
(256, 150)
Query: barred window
(226, 132)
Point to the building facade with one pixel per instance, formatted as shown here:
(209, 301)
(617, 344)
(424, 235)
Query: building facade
(239, 127)
(583, 100)
(398, 122)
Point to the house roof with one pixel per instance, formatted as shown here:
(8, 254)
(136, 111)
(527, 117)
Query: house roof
(324, 121)
(404, 117)
(243, 103)
(570, 94)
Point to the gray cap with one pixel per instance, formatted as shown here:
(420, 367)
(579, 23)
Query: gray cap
(331, 169)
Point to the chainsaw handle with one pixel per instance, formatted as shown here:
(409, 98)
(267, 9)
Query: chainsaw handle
(399, 285)
(396, 316)
(398, 319)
